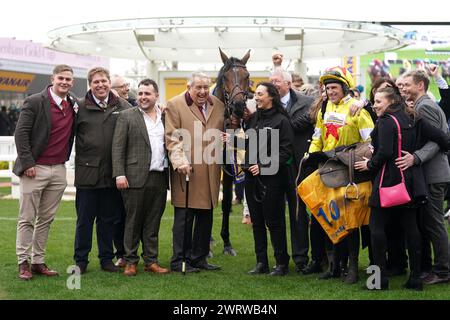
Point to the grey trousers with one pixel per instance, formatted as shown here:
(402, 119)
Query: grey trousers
(144, 208)
(433, 228)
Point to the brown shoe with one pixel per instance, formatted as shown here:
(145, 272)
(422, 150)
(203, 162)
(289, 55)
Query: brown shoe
(246, 219)
(130, 270)
(155, 268)
(25, 271)
(121, 263)
(42, 269)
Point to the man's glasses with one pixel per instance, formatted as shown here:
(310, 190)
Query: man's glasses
(278, 81)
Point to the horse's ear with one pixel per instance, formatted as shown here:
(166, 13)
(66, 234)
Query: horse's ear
(246, 57)
(223, 56)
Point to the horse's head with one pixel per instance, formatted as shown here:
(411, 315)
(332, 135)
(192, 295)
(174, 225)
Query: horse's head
(233, 83)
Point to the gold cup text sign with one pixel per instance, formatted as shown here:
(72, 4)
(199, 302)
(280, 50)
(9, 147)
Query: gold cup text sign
(15, 81)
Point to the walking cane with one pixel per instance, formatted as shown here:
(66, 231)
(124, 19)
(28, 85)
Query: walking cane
(183, 265)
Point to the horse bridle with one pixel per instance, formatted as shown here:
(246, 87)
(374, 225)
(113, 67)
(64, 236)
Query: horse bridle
(229, 97)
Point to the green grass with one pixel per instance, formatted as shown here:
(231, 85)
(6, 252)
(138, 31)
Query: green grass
(231, 282)
(4, 191)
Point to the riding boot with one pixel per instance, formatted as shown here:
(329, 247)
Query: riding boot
(334, 270)
(352, 276)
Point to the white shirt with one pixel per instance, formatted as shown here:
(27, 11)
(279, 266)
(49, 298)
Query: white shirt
(97, 101)
(58, 100)
(155, 132)
(441, 83)
(285, 99)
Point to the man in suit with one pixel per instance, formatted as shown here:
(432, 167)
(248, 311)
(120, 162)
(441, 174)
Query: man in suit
(191, 116)
(437, 174)
(44, 137)
(297, 106)
(97, 198)
(141, 172)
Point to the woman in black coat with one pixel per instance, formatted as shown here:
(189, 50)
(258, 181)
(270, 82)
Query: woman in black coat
(415, 133)
(267, 176)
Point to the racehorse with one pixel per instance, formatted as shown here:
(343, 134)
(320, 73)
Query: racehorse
(232, 85)
(232, 88)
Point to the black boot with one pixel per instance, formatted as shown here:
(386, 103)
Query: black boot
(260, 268)
(414, 283)
(334, 270)
(352, 276)
(313, 267)
(280, 270)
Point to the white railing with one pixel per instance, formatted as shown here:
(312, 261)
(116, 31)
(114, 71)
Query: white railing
(7, 153)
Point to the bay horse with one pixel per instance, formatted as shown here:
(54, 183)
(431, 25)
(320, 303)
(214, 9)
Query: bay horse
(232, 88)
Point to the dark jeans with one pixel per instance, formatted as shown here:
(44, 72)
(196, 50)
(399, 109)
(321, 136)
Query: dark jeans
(198, 235)
(379, 218)
(433, 228)
(268, 214)
(104, 206)
(119, 231)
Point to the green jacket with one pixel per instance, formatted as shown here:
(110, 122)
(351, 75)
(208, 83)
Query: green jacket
(93, 143)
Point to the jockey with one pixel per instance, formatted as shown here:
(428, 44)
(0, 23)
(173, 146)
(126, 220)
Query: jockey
(335, 126)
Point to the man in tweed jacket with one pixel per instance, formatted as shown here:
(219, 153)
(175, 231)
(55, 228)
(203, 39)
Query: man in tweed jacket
(140, 169)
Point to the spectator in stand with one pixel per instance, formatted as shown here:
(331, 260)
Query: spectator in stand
(5, 123)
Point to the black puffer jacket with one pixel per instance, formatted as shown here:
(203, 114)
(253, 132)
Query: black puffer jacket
(260, 126)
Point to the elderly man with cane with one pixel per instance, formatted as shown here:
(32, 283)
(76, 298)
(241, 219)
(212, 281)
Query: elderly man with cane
(190, 117)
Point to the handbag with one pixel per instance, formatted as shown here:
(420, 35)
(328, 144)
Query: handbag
(397, 194)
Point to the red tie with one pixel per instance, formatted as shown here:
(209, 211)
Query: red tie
(64, 105)
(201, 111)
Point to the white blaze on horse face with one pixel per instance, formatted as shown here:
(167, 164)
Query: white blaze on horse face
(199, 91)
(237, 82)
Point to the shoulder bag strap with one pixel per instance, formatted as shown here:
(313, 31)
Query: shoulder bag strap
(399, 143)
